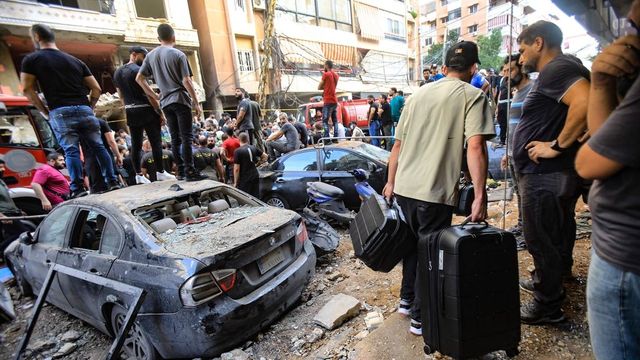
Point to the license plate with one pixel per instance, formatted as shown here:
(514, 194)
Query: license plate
(270, 260)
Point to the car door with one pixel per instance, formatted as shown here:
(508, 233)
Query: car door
(292, 174)
(336, 166)
(50, 238)
(94, 244)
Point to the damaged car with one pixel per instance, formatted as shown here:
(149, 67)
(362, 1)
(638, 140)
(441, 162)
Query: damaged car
(218, 265)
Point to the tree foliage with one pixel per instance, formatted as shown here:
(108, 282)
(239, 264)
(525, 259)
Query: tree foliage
(489, 50)
(435, 53)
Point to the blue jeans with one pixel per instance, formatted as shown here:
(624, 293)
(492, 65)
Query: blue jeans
(329, 110)
(75, 125)
(613, 303)
(374, 130)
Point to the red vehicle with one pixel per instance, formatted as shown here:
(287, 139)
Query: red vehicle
(347, 111)
(25, 140)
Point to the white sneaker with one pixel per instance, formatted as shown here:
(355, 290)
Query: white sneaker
(164, 176)
(416, 327)
(142, 180)
(404, 307)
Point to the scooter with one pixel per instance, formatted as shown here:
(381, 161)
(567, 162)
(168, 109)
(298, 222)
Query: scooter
(363, 188)
(325, 201)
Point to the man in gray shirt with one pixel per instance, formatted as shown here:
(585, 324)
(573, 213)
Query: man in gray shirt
(245, 115)
(169, 68)
(291, 134)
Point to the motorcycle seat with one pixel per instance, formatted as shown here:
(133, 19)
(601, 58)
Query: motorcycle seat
(326, 189)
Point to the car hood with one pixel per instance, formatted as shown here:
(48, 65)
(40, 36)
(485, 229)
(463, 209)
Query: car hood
(228, 231)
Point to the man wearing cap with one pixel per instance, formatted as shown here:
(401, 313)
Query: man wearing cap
(143, 114)
(438, 122)
(170, 70)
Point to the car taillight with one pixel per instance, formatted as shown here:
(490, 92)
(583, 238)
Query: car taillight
(204, 287)
(301, 233)
(226, 279)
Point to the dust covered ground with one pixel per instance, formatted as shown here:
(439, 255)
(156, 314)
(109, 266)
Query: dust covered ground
(295, 336)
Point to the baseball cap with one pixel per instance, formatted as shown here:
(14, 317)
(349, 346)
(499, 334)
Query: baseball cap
(462, 54)
(138, 49)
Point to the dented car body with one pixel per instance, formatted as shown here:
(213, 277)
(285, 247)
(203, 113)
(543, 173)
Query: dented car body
(218, 265)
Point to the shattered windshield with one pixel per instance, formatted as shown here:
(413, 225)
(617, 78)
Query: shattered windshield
(373, 152)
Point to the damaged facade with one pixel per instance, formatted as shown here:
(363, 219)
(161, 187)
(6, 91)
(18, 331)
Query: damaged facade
(99, 32)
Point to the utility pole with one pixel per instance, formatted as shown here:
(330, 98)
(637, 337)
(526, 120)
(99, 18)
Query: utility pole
(269, 39)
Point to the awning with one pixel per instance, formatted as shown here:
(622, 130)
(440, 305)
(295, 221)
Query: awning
(301, 51)
(339, 54)
(370, 23)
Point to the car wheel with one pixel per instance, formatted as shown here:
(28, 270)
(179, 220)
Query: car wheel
(277, 201)
(23, 286)
(136, 345)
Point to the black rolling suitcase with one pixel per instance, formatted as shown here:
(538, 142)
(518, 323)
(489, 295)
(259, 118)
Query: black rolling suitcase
(470, 301)
(379, 234)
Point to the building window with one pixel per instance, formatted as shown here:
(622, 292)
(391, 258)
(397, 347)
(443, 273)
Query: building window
(150, 9)
(444, 19)
(430, 7)
(103, 6)
(334, 14)
(245, 60)
(428, 41)
(239, 4)
(395, 30)
(443, 2)
(454, 14)
(431, 25)
(472, 29)
(473, 9)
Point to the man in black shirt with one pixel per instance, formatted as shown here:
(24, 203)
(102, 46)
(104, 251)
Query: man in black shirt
(64, 80)
(545, 142)
(289, 131)
(374, 120)
(245, 174)
(302, 131)
(385, 120)
(148, 163)
(207, 161)
(143, 114)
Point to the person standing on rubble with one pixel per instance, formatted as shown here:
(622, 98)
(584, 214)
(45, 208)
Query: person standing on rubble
(170, 70)
(245, 173)
(64, 80)
(144, 114)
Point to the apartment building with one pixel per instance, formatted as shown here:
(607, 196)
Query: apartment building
(470, 19)
(99, 32)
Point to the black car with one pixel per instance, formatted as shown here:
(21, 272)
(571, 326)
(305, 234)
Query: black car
(218, 265)
(283, 183)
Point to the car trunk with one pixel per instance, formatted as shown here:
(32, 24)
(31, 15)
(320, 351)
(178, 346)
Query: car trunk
(257, 242)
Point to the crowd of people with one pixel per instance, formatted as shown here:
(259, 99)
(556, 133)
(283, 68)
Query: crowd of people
(568, 126)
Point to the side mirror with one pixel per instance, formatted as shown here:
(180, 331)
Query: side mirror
(372, 167)
(27, 238)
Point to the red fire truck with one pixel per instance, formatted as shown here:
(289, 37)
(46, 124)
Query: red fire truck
(347, 111)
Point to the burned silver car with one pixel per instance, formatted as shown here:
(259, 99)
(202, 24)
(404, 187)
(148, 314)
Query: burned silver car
(218, 265)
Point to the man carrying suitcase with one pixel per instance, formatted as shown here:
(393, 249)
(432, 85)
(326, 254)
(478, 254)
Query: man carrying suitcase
(438, 122)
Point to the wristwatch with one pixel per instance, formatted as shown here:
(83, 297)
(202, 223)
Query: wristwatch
(556, 146)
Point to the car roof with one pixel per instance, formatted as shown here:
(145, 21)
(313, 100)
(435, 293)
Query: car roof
(134, 197)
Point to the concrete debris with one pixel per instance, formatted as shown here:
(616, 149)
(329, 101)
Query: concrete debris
(315, 335)
(42, 345)
(339, 309)
(70, 336)
(298, 344)
(109, 107)
(362, 334)
(335, 276)
(65, 350)
(373, 320)
(236, 354)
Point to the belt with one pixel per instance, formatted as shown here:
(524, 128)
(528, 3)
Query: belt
(135, 106)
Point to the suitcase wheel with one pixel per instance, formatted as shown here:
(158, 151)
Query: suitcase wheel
(427, 349)
(512, 352)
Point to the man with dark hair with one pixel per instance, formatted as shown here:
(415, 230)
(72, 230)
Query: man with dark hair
(302, 131)
(144, 114)
(287, 129)
(373, 118)
(521, 83)
(385, 120)
(328, 86)
(503, 105)
(208, 161)
(50, 186)
(170, 70)
(426, 76)
(438, 122)
(244, 117)
(245, 173)
(64, 80)
(545, 142)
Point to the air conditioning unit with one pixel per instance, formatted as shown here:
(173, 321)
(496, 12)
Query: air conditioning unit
(259, 4)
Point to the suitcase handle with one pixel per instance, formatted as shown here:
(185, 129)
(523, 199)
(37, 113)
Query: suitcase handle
(467, 220)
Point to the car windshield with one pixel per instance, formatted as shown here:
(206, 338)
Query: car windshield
(373, 152)
(16, 130)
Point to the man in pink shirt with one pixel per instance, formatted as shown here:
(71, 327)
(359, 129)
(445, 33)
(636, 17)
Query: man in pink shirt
(49, 184)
